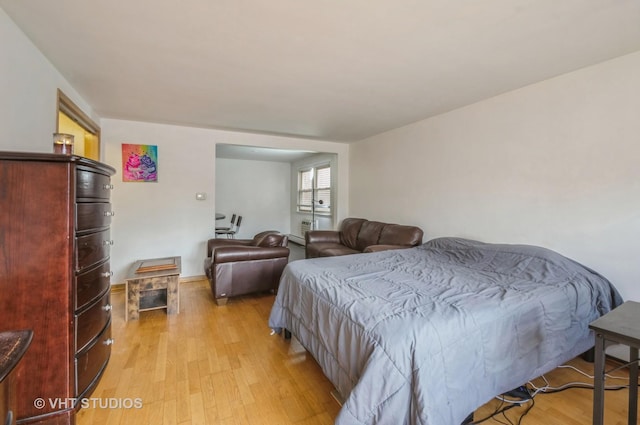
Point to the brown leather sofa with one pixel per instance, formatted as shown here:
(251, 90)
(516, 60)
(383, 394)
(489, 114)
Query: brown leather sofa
(243, 266)
(358, 235)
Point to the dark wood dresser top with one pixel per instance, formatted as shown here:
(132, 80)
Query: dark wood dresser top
(55, 157)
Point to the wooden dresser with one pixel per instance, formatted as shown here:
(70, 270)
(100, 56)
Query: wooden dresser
(55, 214)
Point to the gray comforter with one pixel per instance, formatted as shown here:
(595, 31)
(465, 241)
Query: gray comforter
(428, 334)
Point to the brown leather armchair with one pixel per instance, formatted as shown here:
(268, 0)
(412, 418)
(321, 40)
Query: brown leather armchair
(243, 266)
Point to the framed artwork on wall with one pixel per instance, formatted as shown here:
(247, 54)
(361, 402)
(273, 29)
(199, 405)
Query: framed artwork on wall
(139, 163)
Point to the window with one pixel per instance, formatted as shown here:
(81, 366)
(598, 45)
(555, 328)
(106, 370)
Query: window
(314, 184)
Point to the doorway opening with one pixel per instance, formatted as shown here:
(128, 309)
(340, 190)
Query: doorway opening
(263, 185)
(86, 133)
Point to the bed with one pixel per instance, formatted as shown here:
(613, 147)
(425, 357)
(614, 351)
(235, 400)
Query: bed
(426, 335)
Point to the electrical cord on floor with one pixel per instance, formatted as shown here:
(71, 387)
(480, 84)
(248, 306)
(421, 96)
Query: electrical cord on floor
(501, 410)
(548, 389)
(581, 386)
(566, 366)
(507, 404)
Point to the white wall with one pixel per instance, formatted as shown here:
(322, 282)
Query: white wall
(28, 93)
(164, 218)
(555, 164)
(259, 191)
(152, 219)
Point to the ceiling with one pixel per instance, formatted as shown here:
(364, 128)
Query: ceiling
(339, 70)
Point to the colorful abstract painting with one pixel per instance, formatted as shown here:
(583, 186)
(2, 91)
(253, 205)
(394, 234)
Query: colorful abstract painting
(139, 163)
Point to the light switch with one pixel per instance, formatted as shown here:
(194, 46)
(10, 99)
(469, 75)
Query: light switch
(201, 196)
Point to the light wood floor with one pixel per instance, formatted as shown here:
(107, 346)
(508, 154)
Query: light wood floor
(220, 365)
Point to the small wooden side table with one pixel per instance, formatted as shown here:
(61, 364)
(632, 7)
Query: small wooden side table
(153, 284)
(621, 325)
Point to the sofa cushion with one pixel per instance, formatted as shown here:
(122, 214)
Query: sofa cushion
(328, 249)
(349, 230)
(397, 234)
(369, 234)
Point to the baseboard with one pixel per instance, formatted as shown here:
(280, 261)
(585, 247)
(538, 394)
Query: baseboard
(119, 287)
(618, 352)
(188, 279)
(298, 240)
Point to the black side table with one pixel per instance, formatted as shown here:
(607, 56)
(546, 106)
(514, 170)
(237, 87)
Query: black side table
(621, 325)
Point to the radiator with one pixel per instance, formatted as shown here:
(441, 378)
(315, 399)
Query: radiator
(305, 226)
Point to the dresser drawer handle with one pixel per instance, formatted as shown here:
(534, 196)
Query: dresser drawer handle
(108, 341)
(108, 242)
(107, 307)
(108, 187)
(107, 274)
(109, 213)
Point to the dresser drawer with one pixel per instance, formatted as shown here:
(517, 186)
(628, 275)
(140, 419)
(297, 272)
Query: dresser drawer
(92, 249)
(93, 216)
(90, 284)
(90, 363)
(90, 322)
(92, 186)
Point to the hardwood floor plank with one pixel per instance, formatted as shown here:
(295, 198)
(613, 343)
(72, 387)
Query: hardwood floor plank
(160, 366)
(220, 365)
(183, 402)
(169, 412)
(197, 409)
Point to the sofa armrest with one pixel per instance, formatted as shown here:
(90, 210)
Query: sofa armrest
(322, 236)
(378, 248)
(228, 254)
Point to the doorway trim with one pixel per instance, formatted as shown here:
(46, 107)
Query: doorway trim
(66, 106)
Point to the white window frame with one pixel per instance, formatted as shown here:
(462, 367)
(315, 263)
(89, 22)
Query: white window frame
(323, 209)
